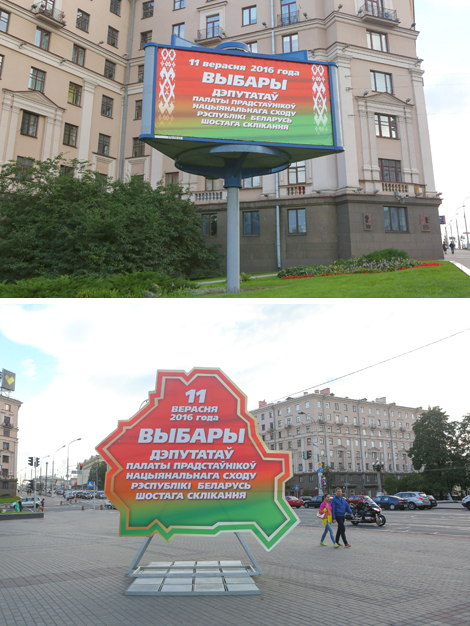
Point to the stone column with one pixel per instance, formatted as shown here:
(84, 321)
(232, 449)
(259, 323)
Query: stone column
(4, 123)
(88, 93)
(13, 127)
(423, 129)
(347, 166)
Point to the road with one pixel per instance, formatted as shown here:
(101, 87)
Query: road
(435, 521)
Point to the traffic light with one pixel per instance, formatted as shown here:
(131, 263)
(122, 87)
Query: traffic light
(36, 462)
(30, 460)
(309, 455)
(80, 466)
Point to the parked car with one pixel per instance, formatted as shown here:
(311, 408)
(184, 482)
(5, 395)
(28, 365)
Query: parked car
(294, 502)
(355, 499)
(312, 501)
(109, 505)
(416, 499)
(466, 502)
(101, 495)
(391, 502)
(29, 502)
(432, 500)
(59, 492)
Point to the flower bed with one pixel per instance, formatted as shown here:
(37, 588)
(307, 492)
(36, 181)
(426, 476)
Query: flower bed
(352, 266)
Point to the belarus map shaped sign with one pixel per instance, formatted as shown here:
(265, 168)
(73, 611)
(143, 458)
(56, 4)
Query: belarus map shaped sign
(191, 462)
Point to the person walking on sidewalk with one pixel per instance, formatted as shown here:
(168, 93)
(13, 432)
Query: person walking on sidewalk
(326, 509)
(452, 246)
(444, 247)
(339, 506)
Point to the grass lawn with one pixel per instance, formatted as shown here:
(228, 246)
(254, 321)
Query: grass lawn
(445, 281)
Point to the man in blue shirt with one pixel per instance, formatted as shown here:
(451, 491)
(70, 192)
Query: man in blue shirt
(339, 506)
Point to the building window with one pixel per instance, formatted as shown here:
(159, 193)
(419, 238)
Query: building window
(37, 79)
(83, 20)
(66, 170)
(1, 64)
(173, 178)
(115, 7)
(214, 184)
(103, 144)
(386, 126)
(179, 4)
(290, 43)
(4, 20)
(6, 446)
(70, 135)
(249, 16)
(138, 147)
(381, 82)
(107, 106)
(29, 124)
(147, 9)
(140, 74)
(109, 69)
(41, 40)
(113, 37)
(251, 223)
(145, 37)
(253, 45)
(377, 41)
(297, 223)
(138, 109)
(288, 12)
(178, 30)
(212, 25)
(75, 94)
(395, 219)
(390, 171)
(25, 173)
(252, 181)
(78, 55)
(209, 225)
(297, 173)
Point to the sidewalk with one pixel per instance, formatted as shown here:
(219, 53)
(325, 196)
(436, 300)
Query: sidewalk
(459, 258)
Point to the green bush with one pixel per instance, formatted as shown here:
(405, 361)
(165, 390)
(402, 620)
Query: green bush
(387, 254)
(138, 285)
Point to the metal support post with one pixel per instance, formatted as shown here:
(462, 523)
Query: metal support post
(233, 241)
(139, 555)
(250, 555)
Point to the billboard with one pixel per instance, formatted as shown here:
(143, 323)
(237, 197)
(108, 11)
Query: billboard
(191, 462)
(203, 95)
(8, 380)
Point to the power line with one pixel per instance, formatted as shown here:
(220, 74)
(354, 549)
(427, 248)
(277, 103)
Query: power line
(375, 364)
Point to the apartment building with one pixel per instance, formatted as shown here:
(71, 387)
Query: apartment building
(72, 71)
(9, 408)
(348, 436)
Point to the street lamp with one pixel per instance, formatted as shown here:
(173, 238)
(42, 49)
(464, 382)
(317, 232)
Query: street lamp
(52, 479)
(360, 443)
(465, 219)
(40, 470)
(378, 467)
(320, 490)
(73, 440)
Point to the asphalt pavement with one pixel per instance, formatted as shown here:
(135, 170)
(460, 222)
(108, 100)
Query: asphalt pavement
(68, 569)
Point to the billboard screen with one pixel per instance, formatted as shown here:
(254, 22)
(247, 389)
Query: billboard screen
(213, 96)
(8, 380)
(191, 462)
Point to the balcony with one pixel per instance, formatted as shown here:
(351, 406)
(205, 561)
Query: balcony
(402, 429)
(288, 18)
(46, 11)
(214, 32)
(296, 190)
(339, 422)
(208, 196)
(398, 187)
(374, 14)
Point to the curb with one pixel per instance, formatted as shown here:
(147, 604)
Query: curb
(461, 267)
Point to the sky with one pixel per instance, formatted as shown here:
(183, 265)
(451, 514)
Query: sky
(83, 365)
(444, 44)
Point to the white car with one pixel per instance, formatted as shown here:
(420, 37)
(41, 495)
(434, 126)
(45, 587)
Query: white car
(109, 505)
(466, 502)
(29, 502)
(416, 499)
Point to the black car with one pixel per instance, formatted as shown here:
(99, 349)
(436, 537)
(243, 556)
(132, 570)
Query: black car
(312, 501)
(391, 502)
(433, 501)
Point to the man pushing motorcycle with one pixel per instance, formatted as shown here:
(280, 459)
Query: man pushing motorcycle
(339, 506)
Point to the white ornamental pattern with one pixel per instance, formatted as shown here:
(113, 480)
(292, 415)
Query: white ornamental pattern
(167, 76)
(320, 110)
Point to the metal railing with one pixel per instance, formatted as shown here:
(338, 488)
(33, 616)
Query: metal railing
(395, 187)
(209, 33)
(373, 10)
(288, 18)
(208, 196)
(297, 190)
(49, 11)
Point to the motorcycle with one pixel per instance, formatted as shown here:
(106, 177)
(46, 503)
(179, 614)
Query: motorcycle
(367, 511)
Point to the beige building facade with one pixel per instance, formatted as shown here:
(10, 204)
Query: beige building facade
(348, 436)
(72, 78)
(9, 408)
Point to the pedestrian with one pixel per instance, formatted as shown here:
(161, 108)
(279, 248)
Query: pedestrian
(325, 510)
(452, 246)
(20, 504)
(339, 506)
(444, 247)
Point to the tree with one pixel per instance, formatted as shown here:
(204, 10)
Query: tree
(437, 450)
(82, 224)
(97, 474)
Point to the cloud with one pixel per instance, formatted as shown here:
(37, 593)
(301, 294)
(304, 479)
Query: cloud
(30, 371)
